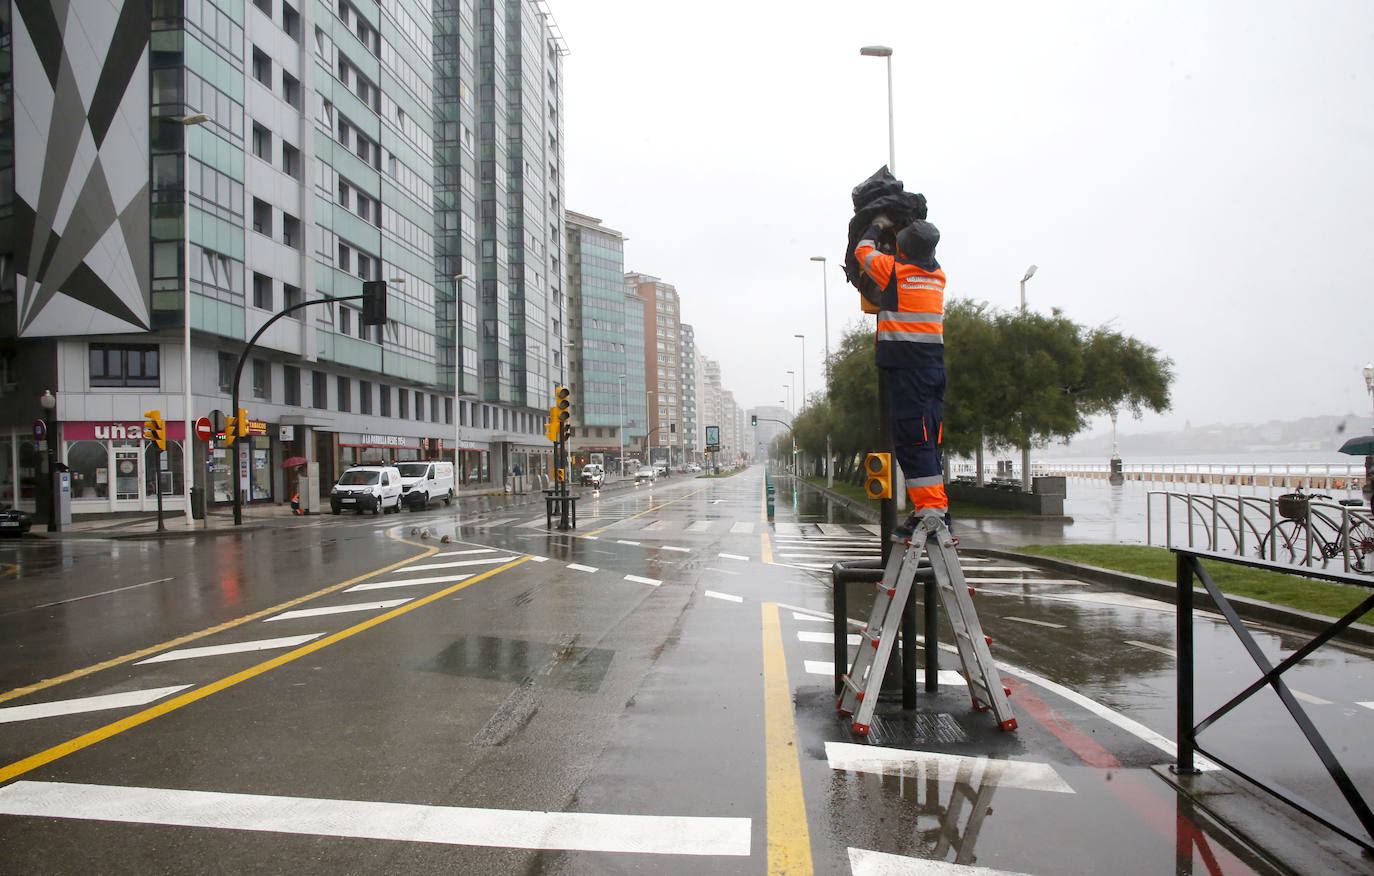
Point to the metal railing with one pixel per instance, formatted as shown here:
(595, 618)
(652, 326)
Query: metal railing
(1329, 534)
(1188, 566)
(1346, 477)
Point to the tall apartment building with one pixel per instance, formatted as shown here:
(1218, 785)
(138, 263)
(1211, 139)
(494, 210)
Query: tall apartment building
(690, 444)
(303, 137)
(606, 332)
(662, 365)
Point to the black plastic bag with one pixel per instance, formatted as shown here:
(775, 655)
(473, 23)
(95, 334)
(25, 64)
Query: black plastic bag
(880, 194)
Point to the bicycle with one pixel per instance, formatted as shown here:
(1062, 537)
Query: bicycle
(1305, 532)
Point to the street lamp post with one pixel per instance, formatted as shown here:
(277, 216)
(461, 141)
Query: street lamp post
(457, 372)
(187, 447)
(803, 368)
(620, 463)
(49, 403)
(1025, 448)
(1369, 381)
(825, 303)
(887, 519)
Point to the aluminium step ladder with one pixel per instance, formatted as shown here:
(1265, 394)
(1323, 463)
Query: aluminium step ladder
(865, 678)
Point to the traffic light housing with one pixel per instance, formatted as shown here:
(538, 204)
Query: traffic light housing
(243, 423)
(551, 427)
(374, 302)
(231, 429)
(754, 420)
(562, 403)
(155, 428)
(878, 475)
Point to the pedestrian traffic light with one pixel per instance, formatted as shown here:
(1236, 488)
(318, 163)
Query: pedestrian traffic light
(878, 475)
(562, 397)
(374, 302)
(155, 428)
(551, 427)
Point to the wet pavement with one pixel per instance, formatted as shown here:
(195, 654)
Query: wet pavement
(354, 694)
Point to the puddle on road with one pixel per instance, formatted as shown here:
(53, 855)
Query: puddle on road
(563, 665)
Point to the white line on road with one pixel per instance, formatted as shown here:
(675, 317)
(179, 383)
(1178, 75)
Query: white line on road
(720, 571)
(539, 559)
(796, 615)
(101, 593)
(1023, 774)
(942, 676)
(231, 648)
(578, 567)
(1038, 623)
(814, 638)
(461, 553)
(1310, 698)
(99, 703)
(338, 609)
(1368, 705)
(863, 862)
(700, 526)
(669, 547)
(385, 585)
(733, 557)
(638, 580)
(726, 596)
(485, 561)
(1160, 649)
(406, 822)
(627, 541)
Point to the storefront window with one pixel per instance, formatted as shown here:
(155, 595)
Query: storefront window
(89, 462)
(260, 473)
(171, 469)
(126, 469)
(222, 473)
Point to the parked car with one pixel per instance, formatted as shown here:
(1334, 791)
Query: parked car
(661, 468)
(645, 473)
(422, 481)
(593, 473)
(375, 488)
(13, 521)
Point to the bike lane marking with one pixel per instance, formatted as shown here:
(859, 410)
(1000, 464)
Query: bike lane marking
(100, 734)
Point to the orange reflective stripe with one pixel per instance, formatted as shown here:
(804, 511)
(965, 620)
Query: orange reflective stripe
(928, 497)
(940, 436)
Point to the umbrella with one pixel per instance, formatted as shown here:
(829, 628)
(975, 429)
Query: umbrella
(1360, 445)
(293, 461)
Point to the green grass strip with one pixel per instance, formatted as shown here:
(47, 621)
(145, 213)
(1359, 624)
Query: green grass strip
(1293, 591)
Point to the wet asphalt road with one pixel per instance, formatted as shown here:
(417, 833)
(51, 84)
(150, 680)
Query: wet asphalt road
(622, 677)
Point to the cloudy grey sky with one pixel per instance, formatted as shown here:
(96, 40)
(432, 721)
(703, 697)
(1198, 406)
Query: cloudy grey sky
(1196, 174)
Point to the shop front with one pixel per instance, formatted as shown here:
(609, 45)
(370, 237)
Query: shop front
(254, 454)
(473, 465)
(114, 469)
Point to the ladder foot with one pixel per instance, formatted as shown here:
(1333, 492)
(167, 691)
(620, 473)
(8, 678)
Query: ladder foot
(861, 729)
(1009, 724)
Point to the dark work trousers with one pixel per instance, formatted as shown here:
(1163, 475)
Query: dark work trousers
(916, 400)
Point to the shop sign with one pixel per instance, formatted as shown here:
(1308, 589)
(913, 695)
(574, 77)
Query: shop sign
(116, 431)
(388, 440)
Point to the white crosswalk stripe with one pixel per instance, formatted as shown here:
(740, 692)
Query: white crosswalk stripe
(231, 648)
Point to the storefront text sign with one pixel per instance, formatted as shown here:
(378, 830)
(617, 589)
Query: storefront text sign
(389, 440)
(116, 431)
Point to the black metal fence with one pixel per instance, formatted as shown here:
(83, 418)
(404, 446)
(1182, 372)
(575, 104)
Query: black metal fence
(1190, 566)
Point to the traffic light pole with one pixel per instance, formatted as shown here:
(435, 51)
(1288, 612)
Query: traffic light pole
(238, 373)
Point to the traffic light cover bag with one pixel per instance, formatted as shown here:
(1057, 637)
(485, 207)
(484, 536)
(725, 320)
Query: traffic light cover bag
(880, 194)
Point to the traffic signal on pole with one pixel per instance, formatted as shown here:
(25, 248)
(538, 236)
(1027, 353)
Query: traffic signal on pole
(374, 302)
(231, 429)
(243, 423)
(155, 429)
(562, 402)
(551, 427)
(878, 475)
(754, 420)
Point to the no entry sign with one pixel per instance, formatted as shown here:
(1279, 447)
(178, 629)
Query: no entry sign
(203, 431)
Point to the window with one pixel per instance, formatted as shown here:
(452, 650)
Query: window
(448, 411)
(265, 6)
(343, 261)
(345, 400)
(343, 194)
(434, 408)
(291, 22)
(384, 400)
(291, 296)
(262, 142)
(290, 231)
(262, 291)
(262, 380)
(291, 89)
(124, 365)
(403, 409)
(290, 160)
(344, 320)
(364, 397)
(262, 217)
(419, 405)
(365, 266)
(262, 67)
(291, 375)
(226, 372)
(319, 390)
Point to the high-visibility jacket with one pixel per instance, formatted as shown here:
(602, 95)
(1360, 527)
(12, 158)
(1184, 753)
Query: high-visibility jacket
(911, 314)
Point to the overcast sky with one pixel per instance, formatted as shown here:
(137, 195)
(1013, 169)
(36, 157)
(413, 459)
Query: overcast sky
(1196, 174)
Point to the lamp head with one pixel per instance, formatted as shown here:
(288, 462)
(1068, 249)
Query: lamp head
(47, 400)
(1030, 272)
(876, 51)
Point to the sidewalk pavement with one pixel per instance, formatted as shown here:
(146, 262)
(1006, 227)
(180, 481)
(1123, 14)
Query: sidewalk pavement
(220, 520)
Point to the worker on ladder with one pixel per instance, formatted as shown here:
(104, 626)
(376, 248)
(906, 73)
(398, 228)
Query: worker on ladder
(910, 346)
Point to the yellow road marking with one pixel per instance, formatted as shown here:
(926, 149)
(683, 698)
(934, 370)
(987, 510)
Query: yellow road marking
(647, 511)
(8, 568)
(227, 625)
(86, 740)
(789, 838)
(767, 550)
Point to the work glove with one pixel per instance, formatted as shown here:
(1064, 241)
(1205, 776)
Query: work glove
(882, 221)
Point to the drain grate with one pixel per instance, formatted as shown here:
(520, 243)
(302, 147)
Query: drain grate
(921, 728)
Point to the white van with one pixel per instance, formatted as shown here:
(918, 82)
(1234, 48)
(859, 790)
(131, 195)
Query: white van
(374, 488)
(422, 481)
